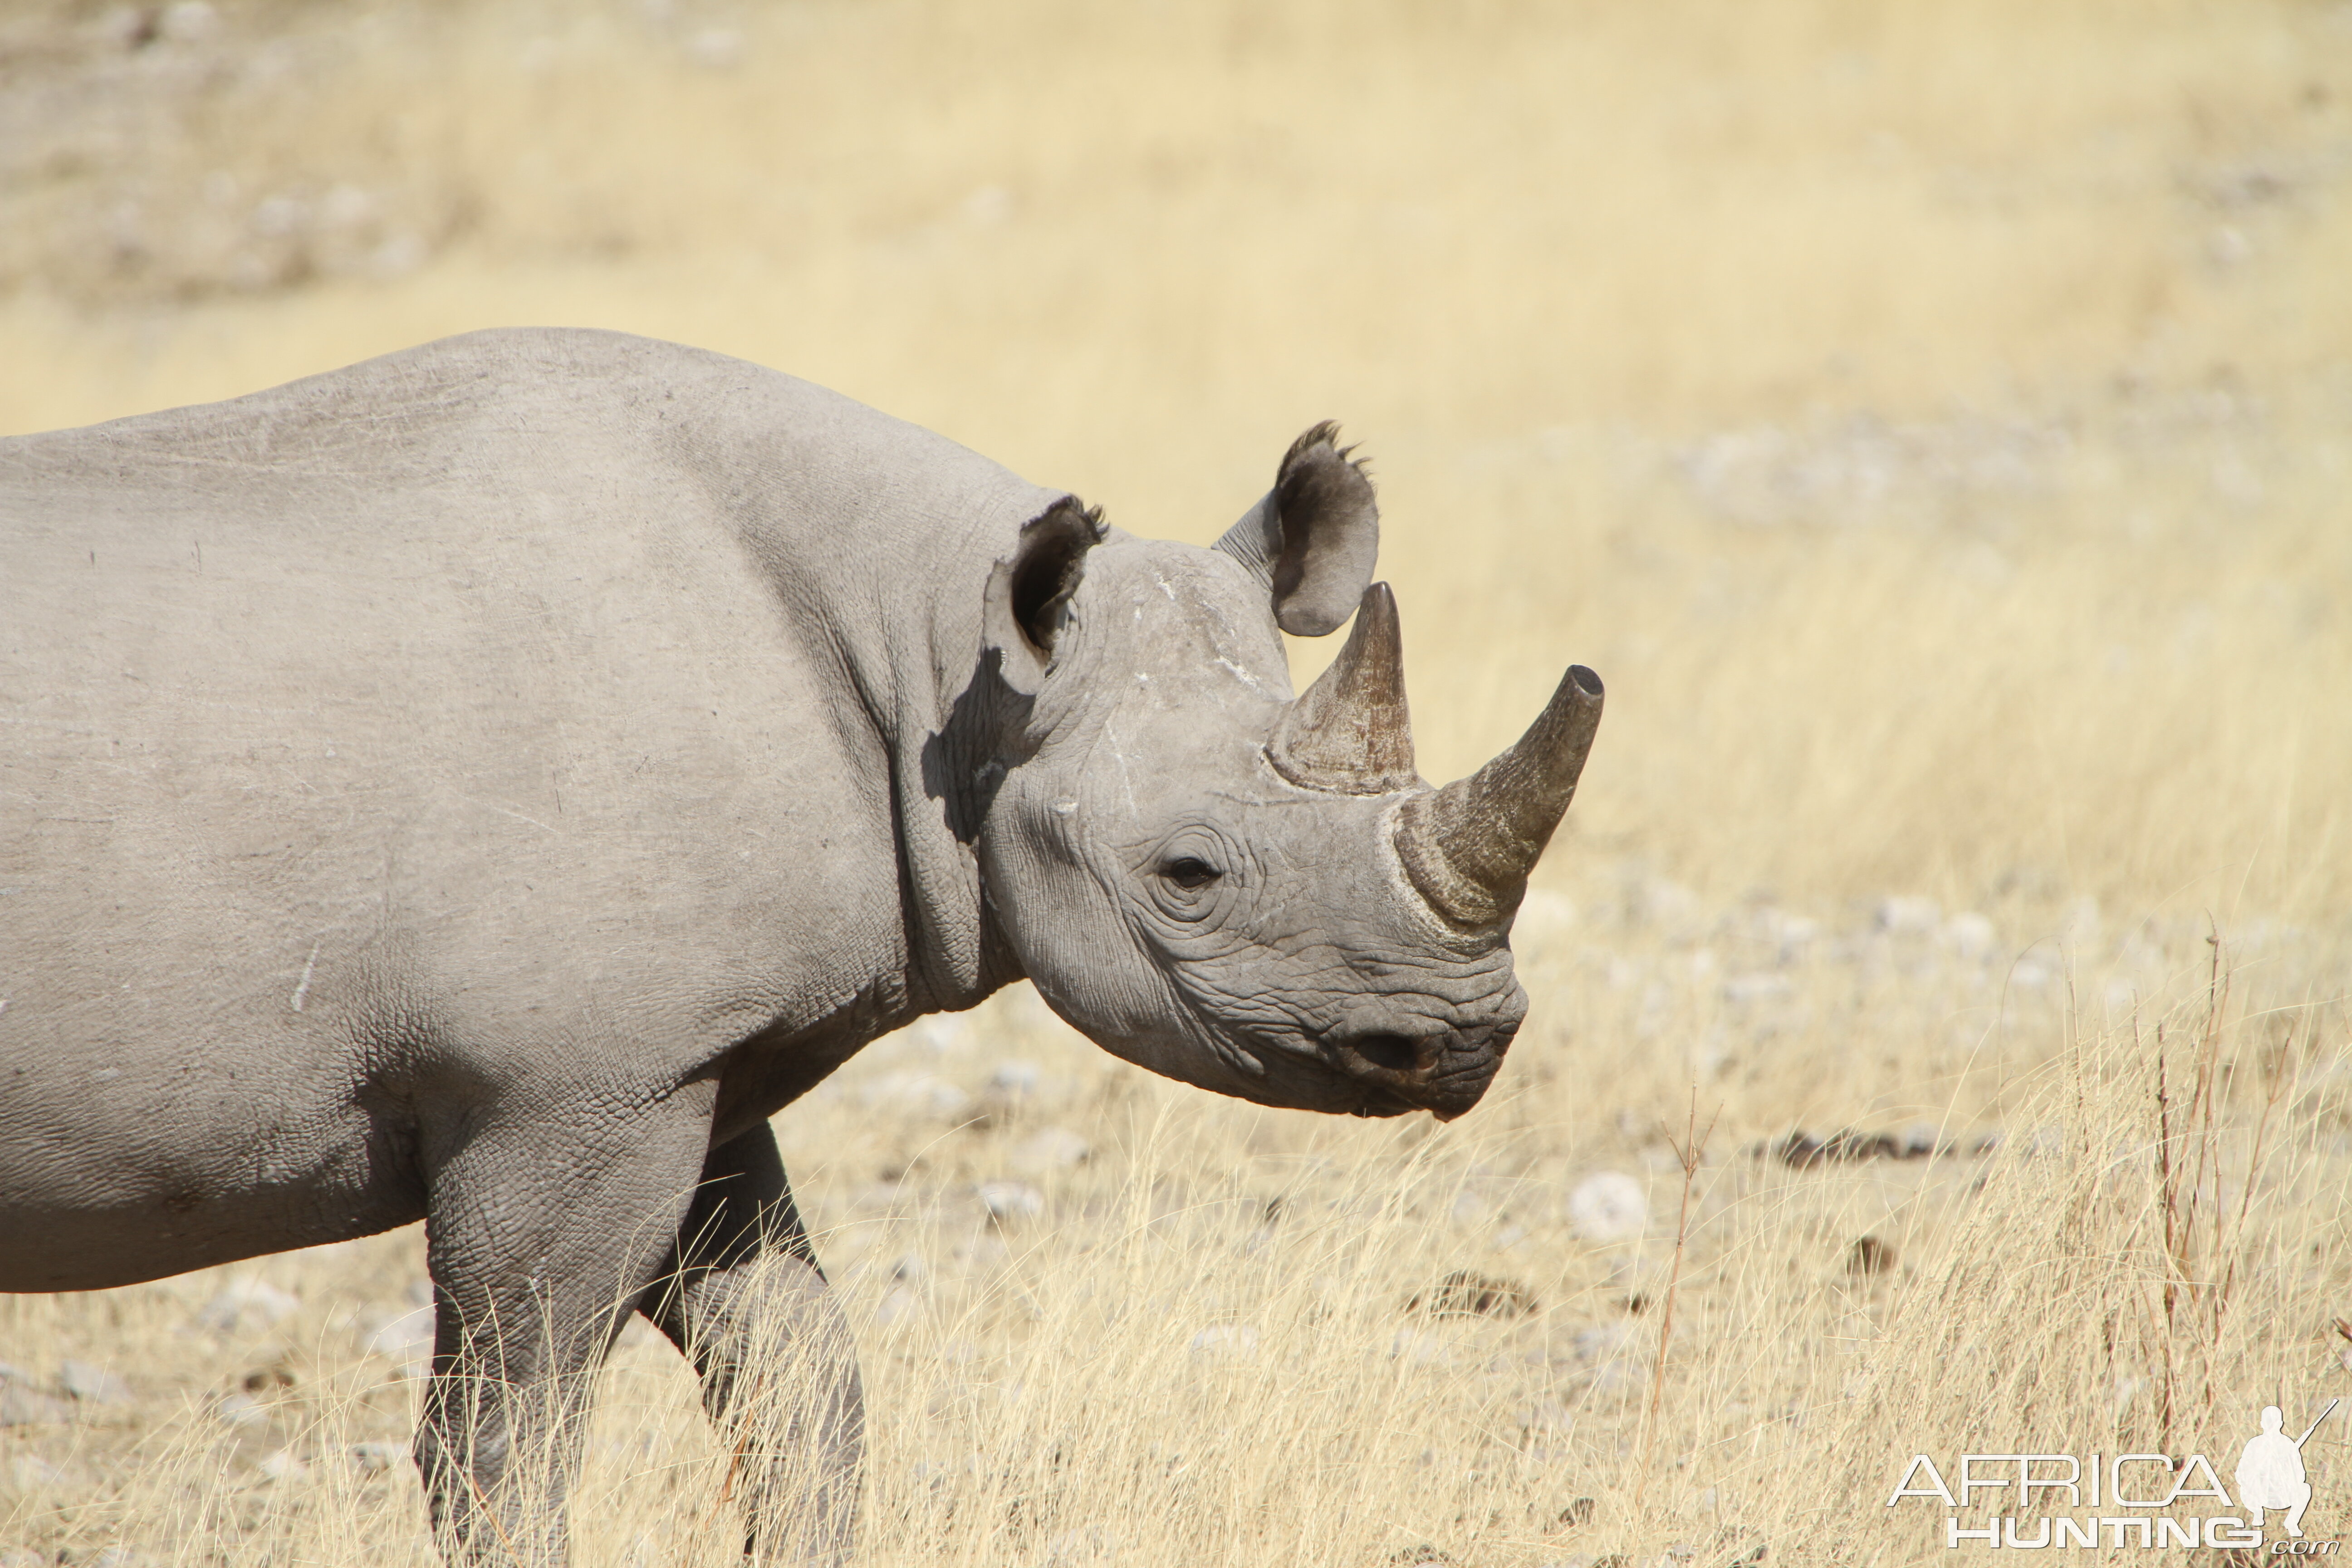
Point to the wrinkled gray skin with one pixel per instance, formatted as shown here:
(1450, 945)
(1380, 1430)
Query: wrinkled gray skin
(483, 784)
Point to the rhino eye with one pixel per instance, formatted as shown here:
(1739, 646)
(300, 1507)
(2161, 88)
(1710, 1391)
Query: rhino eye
(1190, 872)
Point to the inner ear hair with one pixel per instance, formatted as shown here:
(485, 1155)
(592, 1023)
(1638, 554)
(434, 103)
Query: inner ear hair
(1052, 559)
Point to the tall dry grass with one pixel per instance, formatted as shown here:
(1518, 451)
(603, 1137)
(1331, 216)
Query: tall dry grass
(1934, 422)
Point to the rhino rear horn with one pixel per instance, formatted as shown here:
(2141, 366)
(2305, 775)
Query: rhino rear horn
(1468, 847)
(1313, 539)
(1351, 732)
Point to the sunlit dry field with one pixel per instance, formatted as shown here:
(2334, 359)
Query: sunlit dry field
(1935, 424)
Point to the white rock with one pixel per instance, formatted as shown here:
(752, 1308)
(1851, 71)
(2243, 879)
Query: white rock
(917, 1093)
(1748, 989)
(22, 1557)
(1544, 1416)
(376, 1458)
(716, 47)
(1602, 1341)
(1088, 1546)
(1011, 1200)
(987, 206)
(1055, 1148)
(188, 22)
(1470, 1209)
(30, 1471)
(406, 1337)
(22, 1407)
(1609, 1206)
(944, 1034)
(1421, 1347)
(1970, 935)
(1016, 1078)
(239, 1410)
(283, 1466)
(93, 1385)
(1225, 1341)
(1909, 915)
(897, 1306)
(247, 1305)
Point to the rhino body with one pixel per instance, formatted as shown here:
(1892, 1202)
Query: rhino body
(483, 784)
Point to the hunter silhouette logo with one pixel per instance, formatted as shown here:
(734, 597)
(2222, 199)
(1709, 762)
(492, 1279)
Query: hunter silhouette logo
(2120, 1500)
(2270, 1472)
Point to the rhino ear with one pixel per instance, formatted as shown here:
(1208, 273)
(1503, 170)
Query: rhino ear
(1029, 593)
(1313, 539)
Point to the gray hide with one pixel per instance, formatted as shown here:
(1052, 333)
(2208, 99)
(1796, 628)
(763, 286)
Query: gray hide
(483, 784)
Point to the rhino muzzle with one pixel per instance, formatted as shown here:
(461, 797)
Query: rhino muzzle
(1444, 1073)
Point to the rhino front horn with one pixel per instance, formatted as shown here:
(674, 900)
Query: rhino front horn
(1350, 731)
(1469, 846)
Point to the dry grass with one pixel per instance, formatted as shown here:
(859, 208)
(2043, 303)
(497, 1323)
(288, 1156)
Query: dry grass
(1934, 421)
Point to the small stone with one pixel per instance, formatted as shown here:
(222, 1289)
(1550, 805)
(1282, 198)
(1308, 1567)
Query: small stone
(1464, 1294)
(1544, 1416)
(93, 1385)
(283, 1466)
(1609, 1206)
(246, 1306)
(30, 1472)
(1016, 1079)
(1424, 1556)
(239, 1410)
(1970, 935)
(1055, 1148)
(120, 1557)
(407, 1337)
(1225, 1341)
(716, 48)
(1870, 1257)
(917, 1093)
(1011, 1200)
(376, 1458)
(21, 1406)
(1902, 915)
(188, 22)
(22, 1557)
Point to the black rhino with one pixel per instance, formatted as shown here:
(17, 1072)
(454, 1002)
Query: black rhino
(483, 784)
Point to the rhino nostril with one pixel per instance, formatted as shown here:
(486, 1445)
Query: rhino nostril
(1394, 1052)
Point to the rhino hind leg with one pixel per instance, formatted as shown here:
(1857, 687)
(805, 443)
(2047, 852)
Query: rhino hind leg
(744, 1298)
(539, 1240)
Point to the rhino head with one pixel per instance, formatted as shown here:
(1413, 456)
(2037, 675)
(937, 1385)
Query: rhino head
(1230, 886)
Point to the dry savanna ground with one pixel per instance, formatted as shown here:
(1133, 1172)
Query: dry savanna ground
(1935, 421)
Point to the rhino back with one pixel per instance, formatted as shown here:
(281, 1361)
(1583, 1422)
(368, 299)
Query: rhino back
(505, 716)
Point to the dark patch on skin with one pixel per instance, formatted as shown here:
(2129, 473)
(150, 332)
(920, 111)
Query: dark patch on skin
(965, 760)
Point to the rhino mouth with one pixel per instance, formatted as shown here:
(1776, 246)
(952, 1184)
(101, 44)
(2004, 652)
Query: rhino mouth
(1445, 1074)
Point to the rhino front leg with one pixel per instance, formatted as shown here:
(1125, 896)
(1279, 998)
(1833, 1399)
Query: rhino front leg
(746, 1301)
(540, 1237)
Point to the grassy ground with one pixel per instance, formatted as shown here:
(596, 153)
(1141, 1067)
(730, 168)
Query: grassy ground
(1935, 424)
